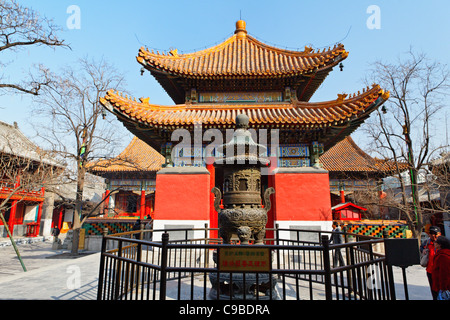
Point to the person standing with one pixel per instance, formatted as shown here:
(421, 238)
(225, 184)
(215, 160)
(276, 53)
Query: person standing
(433, 233)
(441, 265)
(337, 238)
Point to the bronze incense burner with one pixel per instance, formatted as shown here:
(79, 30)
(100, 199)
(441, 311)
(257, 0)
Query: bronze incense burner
(243, 212)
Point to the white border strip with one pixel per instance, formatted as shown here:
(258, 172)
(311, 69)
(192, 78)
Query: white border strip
(166, 224)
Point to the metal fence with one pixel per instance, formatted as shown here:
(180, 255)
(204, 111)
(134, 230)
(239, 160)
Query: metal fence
(133, 267)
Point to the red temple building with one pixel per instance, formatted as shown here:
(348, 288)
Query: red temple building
(23, 168)
(133, 174)
(272, 86)
(350, 169)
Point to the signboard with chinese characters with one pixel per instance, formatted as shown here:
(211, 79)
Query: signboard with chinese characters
(240, 97)
(238, 258)
(133, 184)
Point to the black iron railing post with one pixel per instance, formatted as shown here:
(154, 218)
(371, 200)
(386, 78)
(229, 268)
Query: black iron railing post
(102, 270)
(277, 242)
(163, 282)
(118, 278)
(138, 267)
(327, 266)
(390, 272)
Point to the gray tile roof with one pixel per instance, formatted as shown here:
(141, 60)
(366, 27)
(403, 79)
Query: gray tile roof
(14, 142)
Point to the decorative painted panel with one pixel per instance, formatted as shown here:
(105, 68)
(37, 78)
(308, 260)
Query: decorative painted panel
(189, 156)
(289, 155)
(96, 228)
(294, 150)
(294, 155)
(236, 97)
(376, 230)
(293, 162)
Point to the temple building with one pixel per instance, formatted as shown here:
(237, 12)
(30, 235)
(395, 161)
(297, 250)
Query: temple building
(24, 168)
(351, 171)
(272, 87)
(133, 174)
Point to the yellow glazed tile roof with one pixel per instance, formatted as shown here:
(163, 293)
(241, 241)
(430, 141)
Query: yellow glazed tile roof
(298, 113)
(137, 156)
(347, 156)
(242, 55)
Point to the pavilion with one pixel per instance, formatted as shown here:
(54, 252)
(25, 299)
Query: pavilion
(272, 86)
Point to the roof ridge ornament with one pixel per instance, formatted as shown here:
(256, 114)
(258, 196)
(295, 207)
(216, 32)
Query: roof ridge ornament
(241, 30)
(341, 97)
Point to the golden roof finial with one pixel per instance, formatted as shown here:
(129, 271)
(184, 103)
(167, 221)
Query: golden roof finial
(240, 29)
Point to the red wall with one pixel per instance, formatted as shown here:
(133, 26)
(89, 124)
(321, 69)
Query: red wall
(182, 196)
(303, 196)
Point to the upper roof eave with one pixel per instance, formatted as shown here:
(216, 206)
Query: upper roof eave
(242, 55)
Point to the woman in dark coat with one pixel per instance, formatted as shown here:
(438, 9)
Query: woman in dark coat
(441, 265)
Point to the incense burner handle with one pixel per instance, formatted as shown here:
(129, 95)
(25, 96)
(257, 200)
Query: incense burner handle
(217, 199)
(267, 202)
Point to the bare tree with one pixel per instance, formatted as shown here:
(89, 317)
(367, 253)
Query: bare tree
(75, 125)
(21, 27)
(440, 169)
(403, 131)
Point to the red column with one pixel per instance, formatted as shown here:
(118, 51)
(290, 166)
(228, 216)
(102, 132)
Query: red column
(60, 217)
(213, 215)
(142, 211)
(40, 212)
(106, 203)
(342, 196)
(36, 232)
(271, 214)
(107, 192)
(13, 210)
(149, 206)
(12, 216)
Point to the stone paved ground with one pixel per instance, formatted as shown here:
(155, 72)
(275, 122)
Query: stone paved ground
(53, 275)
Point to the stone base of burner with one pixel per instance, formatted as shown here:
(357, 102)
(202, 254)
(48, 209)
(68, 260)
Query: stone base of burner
(240, 286)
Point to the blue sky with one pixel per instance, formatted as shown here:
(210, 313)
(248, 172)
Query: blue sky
(115, 30)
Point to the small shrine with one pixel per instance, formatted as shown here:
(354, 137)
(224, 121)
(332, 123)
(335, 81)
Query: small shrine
(347, 211)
